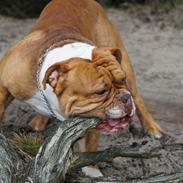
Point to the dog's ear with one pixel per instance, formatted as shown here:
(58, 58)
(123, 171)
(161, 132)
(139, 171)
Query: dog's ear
(116, 52)
(98, 52)
(53, 74)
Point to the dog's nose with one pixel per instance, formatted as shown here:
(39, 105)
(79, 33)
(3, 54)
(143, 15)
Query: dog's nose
(125, 97)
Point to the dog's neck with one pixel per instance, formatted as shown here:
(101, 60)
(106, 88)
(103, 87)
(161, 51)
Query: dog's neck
(77, 49)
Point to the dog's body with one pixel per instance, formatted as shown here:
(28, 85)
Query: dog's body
(35, 64)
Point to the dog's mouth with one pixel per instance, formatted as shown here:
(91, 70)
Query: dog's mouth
(114, 125)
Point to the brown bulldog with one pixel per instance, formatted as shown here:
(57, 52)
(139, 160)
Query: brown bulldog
(73, 63)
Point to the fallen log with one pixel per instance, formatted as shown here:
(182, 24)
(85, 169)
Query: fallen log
(91, 158)
(12, 162)
(55, 156)
(165, 150)
(144, 159)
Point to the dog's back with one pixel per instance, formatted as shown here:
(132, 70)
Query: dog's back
(80, 15)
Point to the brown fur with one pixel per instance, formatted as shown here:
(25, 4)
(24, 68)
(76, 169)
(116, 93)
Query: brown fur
(67, 21)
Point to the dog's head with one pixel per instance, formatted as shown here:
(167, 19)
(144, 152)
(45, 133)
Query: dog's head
(93, 88)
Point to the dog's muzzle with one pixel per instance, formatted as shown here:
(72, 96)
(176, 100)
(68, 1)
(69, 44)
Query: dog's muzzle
(120, 115)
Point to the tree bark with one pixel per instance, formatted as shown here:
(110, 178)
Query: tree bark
(12, 162)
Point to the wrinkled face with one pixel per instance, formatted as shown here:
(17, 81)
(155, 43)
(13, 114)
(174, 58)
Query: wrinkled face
(93, 88)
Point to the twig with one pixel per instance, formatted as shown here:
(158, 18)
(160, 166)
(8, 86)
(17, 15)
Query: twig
(107, 155)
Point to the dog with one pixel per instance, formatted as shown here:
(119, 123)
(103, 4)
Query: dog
(74, 63)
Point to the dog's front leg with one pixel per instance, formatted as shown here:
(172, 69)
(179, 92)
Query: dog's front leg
(89, 143)
(39, 122)
(147, 121)
(5, 99)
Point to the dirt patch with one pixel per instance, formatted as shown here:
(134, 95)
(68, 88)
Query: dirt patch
(155, 46)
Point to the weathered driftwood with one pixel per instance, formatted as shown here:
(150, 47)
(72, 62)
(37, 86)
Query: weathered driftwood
(107, 155)
(162, 163)
(161, 160)
(54, 157)
(12, 162)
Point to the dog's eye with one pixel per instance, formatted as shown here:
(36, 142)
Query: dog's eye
(120, 82)
(101, 92)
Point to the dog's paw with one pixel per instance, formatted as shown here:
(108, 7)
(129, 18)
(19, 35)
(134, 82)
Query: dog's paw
(154, 130)
(36, 126)
(158, 135)
(92, 172)
(38, 123)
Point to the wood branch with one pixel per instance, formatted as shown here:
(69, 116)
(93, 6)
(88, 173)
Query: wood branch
(158, 160)
(12, 162)
(84, 159)
(54, 157)
(91, 158)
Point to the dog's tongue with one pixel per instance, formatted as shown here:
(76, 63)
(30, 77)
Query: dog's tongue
(113, 122)
(113, 125)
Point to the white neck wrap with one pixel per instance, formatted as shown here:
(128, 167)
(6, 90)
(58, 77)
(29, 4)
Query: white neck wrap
(77, 49)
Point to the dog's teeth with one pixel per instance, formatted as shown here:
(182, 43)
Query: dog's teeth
(123, 119)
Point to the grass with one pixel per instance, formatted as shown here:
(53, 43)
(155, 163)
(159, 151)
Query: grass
(28, 143)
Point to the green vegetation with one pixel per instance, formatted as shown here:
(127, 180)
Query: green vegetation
(27, 143)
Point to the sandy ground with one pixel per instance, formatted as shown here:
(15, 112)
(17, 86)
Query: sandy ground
(155, 46)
